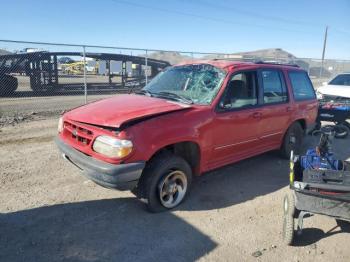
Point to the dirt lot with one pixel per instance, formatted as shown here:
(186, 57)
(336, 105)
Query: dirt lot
(49, 212)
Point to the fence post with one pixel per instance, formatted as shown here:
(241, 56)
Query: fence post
(85, 85)
(146, 65)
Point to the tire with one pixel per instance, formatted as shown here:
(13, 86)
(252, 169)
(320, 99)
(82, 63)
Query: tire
(165, 182)
(289, 205)
(288, 229)
(316, 129)
(347, 124)
(292, 140)
(289, 213)
(341, 131)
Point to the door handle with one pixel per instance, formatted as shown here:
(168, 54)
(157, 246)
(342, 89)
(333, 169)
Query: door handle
(289, 109)
(256, 115)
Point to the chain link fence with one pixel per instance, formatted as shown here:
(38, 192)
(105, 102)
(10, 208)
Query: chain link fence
(45, 78)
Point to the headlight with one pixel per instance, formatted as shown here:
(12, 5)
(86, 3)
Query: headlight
(60, 125)
(112, 147)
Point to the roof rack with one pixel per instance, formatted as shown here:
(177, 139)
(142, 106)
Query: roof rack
(252, 60)
(276, 63)
(233, 59)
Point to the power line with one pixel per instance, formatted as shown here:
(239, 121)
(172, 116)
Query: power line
(256, 15)
(110, 47)
(214, 19)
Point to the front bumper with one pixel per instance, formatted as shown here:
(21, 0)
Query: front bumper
(121, 176)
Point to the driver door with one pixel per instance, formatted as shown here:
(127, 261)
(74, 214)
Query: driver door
(235, 128)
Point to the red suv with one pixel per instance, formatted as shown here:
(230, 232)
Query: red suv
(191, 118)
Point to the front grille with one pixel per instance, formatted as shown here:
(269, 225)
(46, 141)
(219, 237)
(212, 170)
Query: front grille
(79, 134)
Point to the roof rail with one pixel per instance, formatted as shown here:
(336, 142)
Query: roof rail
(233, 59)
(218, 59)
(276, 63)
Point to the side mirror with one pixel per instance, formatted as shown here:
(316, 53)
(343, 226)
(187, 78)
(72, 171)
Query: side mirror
(224, 106)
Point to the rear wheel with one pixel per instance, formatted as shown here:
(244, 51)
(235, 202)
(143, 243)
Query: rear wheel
(316, 129)
(292, 140)
(341, 131)
(165, 182)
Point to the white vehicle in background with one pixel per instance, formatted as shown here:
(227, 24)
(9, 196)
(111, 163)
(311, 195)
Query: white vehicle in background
(339, 86)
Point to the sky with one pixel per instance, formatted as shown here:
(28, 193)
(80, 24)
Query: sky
(191, 25)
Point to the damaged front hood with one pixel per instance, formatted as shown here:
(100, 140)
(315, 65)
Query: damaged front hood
(121, 109)
(335, 90)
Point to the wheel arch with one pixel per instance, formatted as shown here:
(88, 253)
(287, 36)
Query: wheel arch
(188, 150)
(302, 123)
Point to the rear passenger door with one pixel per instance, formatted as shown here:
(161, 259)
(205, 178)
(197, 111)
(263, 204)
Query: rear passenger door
(276, 110)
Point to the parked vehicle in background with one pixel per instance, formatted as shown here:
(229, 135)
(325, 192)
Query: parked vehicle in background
(190, 119)
(339, 86)
(8, 84)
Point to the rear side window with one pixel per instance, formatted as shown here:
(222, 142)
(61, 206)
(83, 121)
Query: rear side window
(301, 85)
(274, 88)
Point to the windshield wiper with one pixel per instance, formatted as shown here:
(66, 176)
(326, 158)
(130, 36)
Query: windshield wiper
(144, 92)
(174, 96)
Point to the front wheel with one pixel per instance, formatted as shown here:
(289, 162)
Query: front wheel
(288, 229)
(289, 213)
(165, 182)
(289, 205)
(292, 140)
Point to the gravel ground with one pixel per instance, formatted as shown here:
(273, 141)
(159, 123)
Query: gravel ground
(49, 212)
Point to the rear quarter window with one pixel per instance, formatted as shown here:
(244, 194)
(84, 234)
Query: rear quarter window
(301, 86)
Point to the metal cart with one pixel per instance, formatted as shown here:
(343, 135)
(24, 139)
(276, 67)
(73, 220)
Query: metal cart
(319, 185)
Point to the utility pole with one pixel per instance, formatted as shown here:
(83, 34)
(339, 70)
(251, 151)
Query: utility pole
(324, 50)
(85, 85)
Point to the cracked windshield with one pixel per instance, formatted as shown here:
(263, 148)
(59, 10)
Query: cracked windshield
(197, 84)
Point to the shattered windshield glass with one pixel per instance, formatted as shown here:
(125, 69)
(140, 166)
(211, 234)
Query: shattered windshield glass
(198, 84)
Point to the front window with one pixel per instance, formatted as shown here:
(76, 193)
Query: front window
(196, 83)
(341, 80)
(241, 91)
